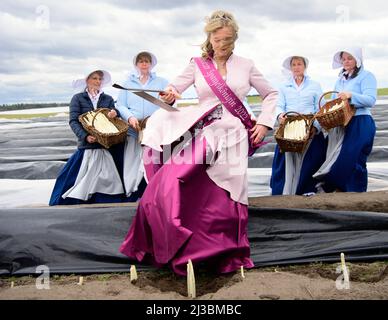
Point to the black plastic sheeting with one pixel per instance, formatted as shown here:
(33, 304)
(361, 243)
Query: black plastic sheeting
(27, 146)
(86, 240)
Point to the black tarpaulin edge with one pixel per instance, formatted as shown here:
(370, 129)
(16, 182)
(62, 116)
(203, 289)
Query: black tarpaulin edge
(86, 240)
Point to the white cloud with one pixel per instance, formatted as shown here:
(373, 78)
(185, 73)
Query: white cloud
(39, 64)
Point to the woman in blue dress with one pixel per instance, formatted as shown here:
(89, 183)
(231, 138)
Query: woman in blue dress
(134, 109)
(292, 172)
(349, 147)
(91, 174)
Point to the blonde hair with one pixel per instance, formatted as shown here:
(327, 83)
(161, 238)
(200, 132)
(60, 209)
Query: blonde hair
(218, 20)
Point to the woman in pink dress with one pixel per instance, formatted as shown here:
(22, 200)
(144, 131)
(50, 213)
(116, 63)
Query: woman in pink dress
(195, 206)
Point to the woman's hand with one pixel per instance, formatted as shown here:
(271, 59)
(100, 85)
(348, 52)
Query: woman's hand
(91, 139)
(258, 133)
(282, 118)
(345, 95)
(169, 95)
(112, 114)
(134, 123)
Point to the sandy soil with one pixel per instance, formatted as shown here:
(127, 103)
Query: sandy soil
(376, 201)
(314, 281)
(367, 281)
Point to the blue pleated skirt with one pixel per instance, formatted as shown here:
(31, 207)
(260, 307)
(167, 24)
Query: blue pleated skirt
(349, 173)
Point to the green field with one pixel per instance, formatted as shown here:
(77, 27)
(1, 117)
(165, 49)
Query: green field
(382, 92)
(255, 99)
(26, 116)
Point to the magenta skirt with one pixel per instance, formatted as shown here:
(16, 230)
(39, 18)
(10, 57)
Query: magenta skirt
(184, 215)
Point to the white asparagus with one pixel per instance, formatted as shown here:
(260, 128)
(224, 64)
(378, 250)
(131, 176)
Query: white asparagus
(336, 106)
(242, 272)
(191, 290)
(133, 273)
(295, 130)
(101, 123)
(80, 281)
(344, 270)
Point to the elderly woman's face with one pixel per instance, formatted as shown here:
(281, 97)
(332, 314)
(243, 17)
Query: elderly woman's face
(297, 67)
(222, 41)
(144, 65)
(348, 61)
(94, 81)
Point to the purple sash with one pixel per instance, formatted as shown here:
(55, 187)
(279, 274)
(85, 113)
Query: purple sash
(227, 98)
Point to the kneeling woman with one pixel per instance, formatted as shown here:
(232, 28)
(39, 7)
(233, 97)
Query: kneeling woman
(292, 172)
(90, 175)
(349, 147)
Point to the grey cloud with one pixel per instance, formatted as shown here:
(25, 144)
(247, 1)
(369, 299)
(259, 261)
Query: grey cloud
(291, 10)
(56, 13)
(151, 4)
(17, 93)
(102, 32)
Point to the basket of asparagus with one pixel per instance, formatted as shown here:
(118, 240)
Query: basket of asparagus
(108, 131)
(295, 132)
(334, 113)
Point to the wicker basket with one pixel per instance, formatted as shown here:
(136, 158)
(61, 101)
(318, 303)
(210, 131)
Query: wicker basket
(335, 118)
(106, 139)
(142, 125)
(290, 145)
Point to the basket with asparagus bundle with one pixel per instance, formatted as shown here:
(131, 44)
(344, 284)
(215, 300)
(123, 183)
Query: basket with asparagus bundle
(295, 132)
(108, 131)
(334, 113)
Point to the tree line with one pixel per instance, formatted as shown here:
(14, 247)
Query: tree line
(24, 106)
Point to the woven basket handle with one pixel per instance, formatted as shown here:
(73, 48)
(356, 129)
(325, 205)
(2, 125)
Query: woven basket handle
(95, 115)
(297, 113)
(143, 122)
(307, 120)
(320, 99)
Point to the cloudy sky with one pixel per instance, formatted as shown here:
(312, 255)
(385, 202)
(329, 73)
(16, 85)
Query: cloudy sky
(45, 44)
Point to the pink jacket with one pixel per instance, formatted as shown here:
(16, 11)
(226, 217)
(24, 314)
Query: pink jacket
(230, 170)
(165, 127)
(241, 76)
